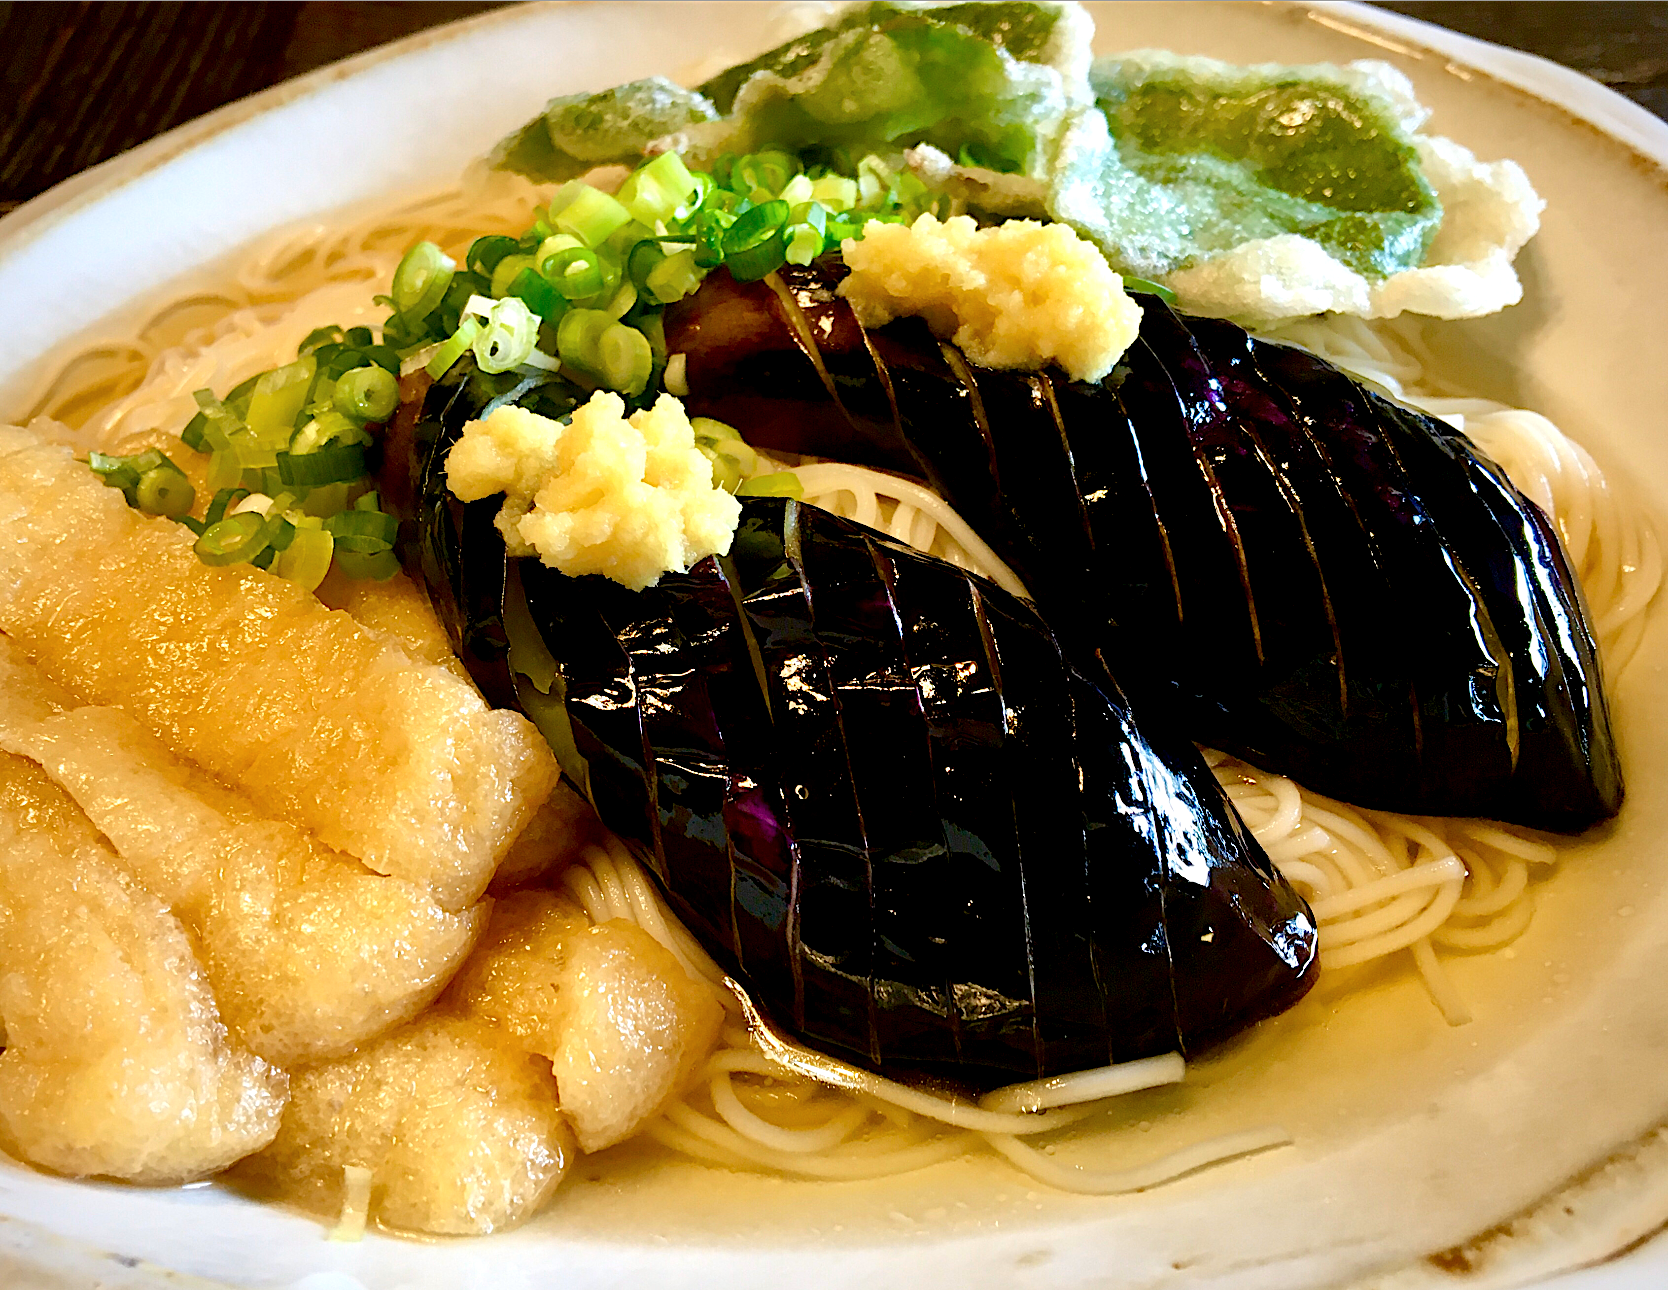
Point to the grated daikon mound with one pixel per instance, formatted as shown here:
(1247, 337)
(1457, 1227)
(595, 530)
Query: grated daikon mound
(458, 1125)
(394, 761)
(309, 953)
(624, 1026)
(117, 1064)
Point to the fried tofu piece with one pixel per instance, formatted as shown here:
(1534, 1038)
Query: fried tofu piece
(398, 609)
(624, 1026)
(557, 836)
(458, 1124)
(395, 761)
(117, 1064)
(310, 954)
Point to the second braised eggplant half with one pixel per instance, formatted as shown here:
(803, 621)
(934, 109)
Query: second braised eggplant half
(875, 789)
(1274, 559)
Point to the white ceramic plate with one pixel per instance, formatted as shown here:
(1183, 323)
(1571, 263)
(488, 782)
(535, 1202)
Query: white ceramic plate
(1412, 1138)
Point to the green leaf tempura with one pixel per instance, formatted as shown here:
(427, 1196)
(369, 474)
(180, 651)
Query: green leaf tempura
(1184, 158)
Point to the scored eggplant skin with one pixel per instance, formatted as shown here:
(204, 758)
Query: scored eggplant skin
(1269, 556)
(875, 790)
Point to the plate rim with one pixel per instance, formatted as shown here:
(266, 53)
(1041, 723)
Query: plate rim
(1496, 1253)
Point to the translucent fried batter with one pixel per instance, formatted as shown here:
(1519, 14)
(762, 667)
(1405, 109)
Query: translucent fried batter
(457, 1123)
(624, 1026)
(117, 1064)
(393, 760)
(310, 953)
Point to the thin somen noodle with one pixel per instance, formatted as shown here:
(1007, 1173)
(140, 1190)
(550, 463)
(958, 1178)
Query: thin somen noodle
(1380, 884)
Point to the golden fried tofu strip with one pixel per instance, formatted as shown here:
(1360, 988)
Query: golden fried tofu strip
(459, 1127)
(624, 1026)
(117, 1064)
(310, 954)
(393, 760)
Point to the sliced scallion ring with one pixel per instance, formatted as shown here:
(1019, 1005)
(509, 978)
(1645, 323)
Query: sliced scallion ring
(333, 463)
(366, 532)
(164, 490)
(575, 271)
(511, 332)
(233, 540)
(379, 567)
(626, 359)
(755, 244)
(421, 280)
(451, 349)
(306, 561)
(367, 393)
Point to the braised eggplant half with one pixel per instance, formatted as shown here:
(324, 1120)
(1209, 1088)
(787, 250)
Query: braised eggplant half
(1273, 558)
(877, 791)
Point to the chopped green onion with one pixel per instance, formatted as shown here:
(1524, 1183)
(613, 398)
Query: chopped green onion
(654, 191)
(371, 501)
(450, 350)
(224, 471)
(641, 261)
(564, 197)
(366, 532)
(320, 336)
(233, 540)
(577, 339)
(421, 280)
(357, 337)
(762, 175)
(591, 216)
(306, 560)
(836, 192)
(674, 277)
(277, 401)
(368, 393)
(325, 499)
(219, 422)
(164, 490)
(538, 294)
(485, 253)
(224, 498)
(331, 464)
(797, 190)
(552, 244)
(627, 359)
(508, 339)
(754, 245)
(575, 271)
(1151, 288)
(378, 567)
(384, 356)
(114, 472)
(280, 533)
(622, 301)
(782, 484)
(507, 271)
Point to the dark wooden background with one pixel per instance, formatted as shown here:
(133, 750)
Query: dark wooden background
(84, 81)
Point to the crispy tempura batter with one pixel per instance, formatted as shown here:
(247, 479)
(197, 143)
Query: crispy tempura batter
(320, 722)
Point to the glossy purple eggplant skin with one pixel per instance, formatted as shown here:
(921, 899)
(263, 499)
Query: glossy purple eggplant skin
(872, 786)
(1270, 557)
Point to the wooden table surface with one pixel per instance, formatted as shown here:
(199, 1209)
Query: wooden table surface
(85, 81)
